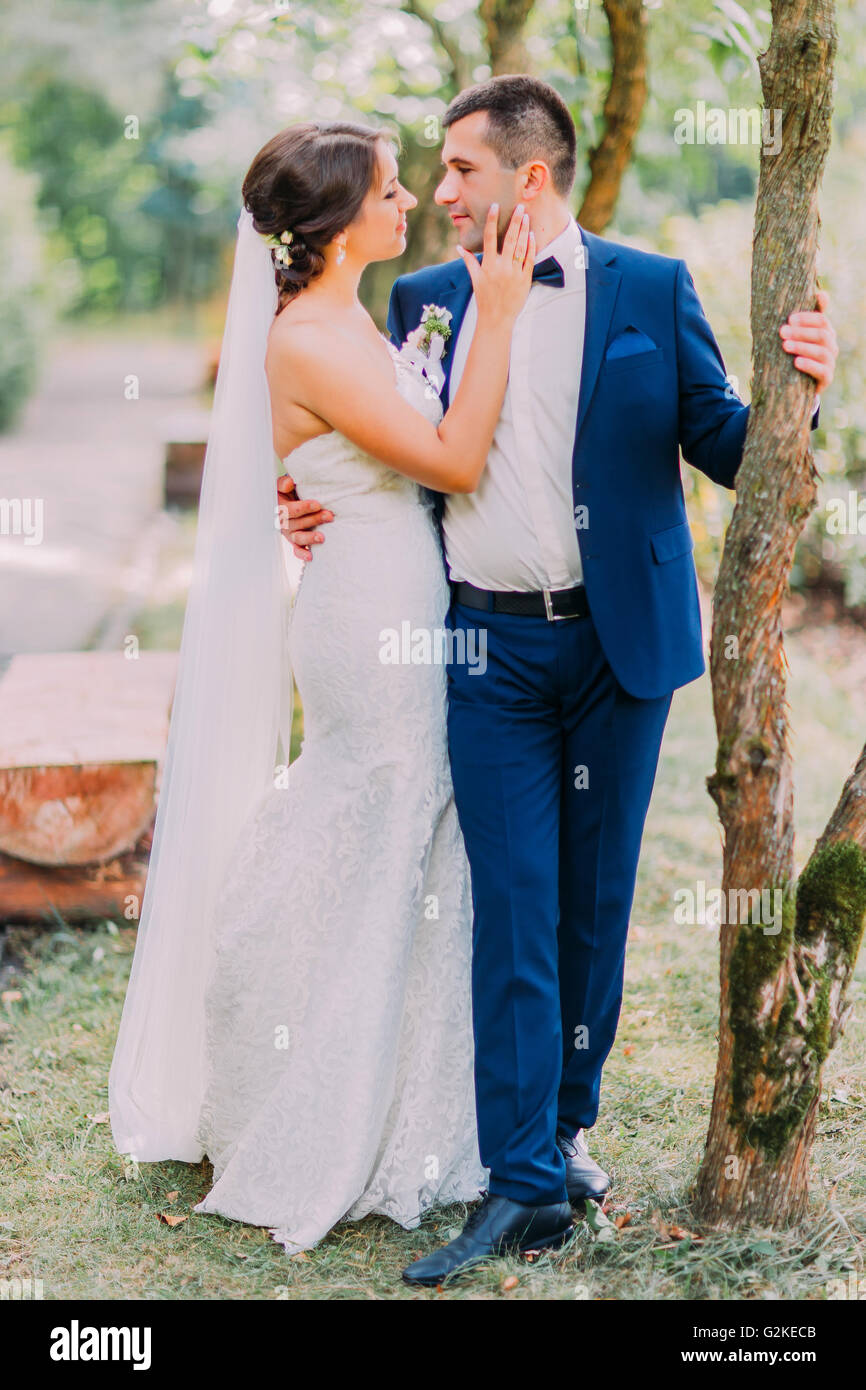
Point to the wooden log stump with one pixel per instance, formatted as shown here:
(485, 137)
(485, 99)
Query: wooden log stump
(82, 735)
(184, 466)
(186, 444)
(30, 893)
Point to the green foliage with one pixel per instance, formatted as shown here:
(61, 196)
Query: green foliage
(123, 206)
(22, 307)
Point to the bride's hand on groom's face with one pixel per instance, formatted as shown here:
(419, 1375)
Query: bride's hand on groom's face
(299, 518)
(502, 281)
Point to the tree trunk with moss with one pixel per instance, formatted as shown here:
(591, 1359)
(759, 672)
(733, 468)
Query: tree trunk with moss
(785, 972)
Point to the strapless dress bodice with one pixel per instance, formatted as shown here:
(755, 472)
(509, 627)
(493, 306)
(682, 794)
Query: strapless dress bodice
(346, 478)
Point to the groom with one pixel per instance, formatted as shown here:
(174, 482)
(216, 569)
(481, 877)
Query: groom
(575, 555)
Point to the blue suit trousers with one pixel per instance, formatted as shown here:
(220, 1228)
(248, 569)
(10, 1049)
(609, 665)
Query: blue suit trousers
(553, 765)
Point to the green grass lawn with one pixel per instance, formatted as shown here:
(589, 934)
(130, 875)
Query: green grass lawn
(75, 1216)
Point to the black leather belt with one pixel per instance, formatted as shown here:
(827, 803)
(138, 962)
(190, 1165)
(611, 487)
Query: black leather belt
(546, 603)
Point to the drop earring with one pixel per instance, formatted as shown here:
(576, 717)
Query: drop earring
(341, 255)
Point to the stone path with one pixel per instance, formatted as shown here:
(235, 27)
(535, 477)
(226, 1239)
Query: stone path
(88, 462)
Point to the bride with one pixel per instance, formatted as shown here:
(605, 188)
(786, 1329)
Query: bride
(299, 1005)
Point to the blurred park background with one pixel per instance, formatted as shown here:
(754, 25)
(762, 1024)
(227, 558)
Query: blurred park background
(125, 129)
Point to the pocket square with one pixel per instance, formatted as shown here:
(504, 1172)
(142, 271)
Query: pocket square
(628, 343)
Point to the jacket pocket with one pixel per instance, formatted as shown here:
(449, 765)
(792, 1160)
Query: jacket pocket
(612, 366)
(676, 540)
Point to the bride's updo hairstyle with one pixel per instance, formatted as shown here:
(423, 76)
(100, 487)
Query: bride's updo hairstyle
(310, 180)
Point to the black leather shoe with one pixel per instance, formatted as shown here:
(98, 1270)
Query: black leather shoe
(496, 1227)
(583, 1177)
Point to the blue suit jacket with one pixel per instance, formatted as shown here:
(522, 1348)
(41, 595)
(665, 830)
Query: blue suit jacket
(652, 383)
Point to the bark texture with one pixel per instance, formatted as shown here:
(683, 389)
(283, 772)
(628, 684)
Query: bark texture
(504, 22)
(621, 115)
(783, 983)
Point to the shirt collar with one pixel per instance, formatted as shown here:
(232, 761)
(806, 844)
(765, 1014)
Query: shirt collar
(563, 248)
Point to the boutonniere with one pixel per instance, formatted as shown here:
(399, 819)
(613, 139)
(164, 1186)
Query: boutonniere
(433, 331)
(426, 343)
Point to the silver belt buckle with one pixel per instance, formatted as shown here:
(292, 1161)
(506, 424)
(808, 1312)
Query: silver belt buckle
(548, 609)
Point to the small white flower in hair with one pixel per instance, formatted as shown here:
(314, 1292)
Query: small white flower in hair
(280, 247)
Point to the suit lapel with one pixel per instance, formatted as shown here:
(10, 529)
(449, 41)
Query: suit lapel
(455, 296)
(602, 288)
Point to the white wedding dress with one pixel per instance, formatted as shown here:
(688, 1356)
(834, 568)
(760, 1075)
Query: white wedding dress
(339, 1043)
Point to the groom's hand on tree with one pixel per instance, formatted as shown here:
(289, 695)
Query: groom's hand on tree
(811, 338)
(299, 518)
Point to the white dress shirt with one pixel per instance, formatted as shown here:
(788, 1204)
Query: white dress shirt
(517, 530)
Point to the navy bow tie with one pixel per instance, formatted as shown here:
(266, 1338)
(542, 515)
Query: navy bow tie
(548, 272)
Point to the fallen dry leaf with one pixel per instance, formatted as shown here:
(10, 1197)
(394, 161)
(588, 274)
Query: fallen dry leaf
(628, 1050)
(10, 996)
(680, 1233)
(172, 1196)
(624, 1219)
(511, 1282)
(671, 1231)
(170, 1218)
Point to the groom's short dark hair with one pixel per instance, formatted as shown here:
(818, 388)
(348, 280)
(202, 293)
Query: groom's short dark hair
(527, 119)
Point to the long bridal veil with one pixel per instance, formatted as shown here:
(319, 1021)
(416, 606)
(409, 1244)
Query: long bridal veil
(232, 706)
